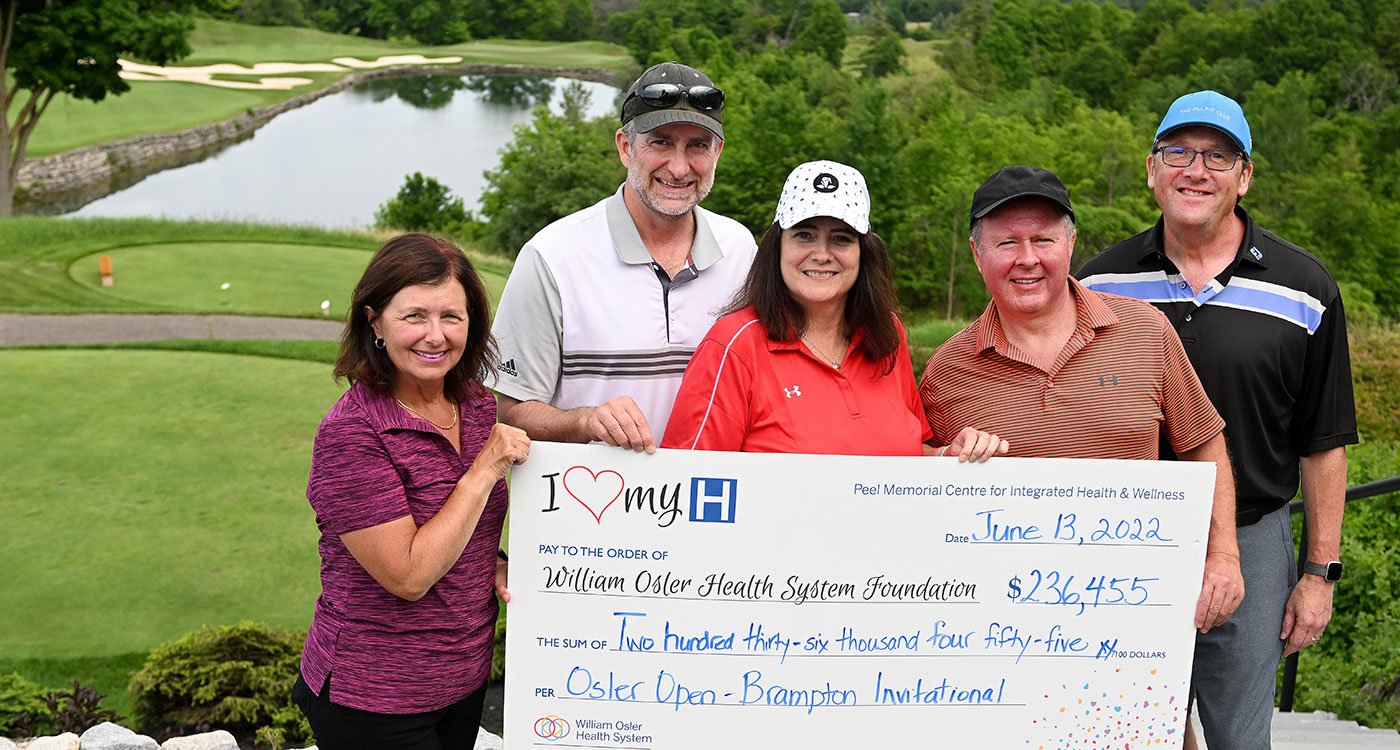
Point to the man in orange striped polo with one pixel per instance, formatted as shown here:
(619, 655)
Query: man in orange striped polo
(1063, 372)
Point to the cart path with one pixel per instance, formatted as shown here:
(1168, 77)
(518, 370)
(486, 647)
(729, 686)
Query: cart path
(37, 330)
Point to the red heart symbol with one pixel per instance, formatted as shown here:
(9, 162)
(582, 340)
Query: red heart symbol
(592, 489)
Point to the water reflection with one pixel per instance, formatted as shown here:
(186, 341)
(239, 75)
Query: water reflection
(436, 91)
(423, 92)
(333, 162)
(513, 91)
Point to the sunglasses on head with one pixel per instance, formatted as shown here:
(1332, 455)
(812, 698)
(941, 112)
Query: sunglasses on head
(666, 95)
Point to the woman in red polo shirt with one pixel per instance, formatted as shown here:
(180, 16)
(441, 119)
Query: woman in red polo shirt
(811, 357)
(407, 484)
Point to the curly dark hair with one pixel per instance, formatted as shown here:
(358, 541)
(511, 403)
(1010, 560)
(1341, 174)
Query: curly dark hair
(871, 305)
(404, 261)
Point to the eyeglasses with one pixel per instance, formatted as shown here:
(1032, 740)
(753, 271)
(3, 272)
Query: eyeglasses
(1216, 159)
(666, 95)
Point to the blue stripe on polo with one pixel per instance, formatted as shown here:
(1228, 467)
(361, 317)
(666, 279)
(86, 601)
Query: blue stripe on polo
(1149, 287)
(1292, 310)
(1155, 286)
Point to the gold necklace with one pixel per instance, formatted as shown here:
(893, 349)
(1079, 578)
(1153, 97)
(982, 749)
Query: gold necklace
(456, 413)
(834, 362)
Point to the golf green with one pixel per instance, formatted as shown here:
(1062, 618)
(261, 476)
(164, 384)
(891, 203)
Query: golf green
(259, 278)
(245, 278)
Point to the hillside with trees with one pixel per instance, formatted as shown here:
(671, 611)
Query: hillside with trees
(1074, 87)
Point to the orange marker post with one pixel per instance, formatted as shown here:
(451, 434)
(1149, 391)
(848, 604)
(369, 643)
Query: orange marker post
(104, 267)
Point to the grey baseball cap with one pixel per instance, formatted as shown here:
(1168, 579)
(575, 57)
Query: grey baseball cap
(670, 92)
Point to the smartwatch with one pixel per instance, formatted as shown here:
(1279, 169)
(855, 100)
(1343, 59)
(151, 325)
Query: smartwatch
(1330, 571)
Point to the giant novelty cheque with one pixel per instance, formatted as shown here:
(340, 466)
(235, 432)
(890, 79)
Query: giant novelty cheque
(704, 600)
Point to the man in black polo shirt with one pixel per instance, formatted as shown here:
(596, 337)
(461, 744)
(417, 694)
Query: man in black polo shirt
(1262, 323)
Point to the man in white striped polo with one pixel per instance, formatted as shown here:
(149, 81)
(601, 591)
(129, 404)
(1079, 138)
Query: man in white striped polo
(1263, 326)
(605, 306)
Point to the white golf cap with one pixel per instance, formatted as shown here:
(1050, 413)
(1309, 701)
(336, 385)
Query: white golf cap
(825, 188)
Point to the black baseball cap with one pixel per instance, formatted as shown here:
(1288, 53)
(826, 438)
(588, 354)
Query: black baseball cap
(649, 117)
(1019, 181)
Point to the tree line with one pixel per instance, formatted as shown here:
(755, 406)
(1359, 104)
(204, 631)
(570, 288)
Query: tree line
(424, 21)
(1075, 87)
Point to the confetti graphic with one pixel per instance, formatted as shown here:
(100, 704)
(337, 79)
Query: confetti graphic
(1083, 716)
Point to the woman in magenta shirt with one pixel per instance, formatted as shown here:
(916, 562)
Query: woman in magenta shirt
(812, 357)
(407, 481)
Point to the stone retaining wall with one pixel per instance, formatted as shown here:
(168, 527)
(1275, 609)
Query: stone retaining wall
(68, 181)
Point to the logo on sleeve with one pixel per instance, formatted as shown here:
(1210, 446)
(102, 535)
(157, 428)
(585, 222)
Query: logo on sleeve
(508, 367)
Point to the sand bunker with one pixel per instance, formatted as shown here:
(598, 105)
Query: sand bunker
(274, 73)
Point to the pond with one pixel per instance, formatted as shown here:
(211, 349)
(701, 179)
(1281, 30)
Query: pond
(334, 161)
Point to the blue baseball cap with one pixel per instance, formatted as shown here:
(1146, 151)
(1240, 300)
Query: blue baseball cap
(1212, 109)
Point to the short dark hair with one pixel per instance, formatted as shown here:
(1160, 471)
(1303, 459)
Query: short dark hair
(404, 261)
(871, 305)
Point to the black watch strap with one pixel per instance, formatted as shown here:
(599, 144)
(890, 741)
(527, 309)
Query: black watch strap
(1329, 571)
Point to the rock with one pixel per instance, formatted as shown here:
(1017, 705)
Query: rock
(109, 736)
(65, 741)
(217, 740)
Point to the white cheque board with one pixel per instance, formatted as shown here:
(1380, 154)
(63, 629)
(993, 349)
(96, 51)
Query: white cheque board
(723, 600)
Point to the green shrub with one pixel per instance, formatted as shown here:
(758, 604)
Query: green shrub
(1375, 371)
(422, 205)
(1354, 671)
(63, 711)
(17, 696)
(237, 677)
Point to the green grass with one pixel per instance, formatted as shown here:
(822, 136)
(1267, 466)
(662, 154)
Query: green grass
(323, 352)
(157, 492)
(932, 332)
(262, 278)
(37, 253)
(148, 493)
(161, 106)
(50, 266)
(926, 333)
(149, 107)
(150, 488)
(223, 41)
